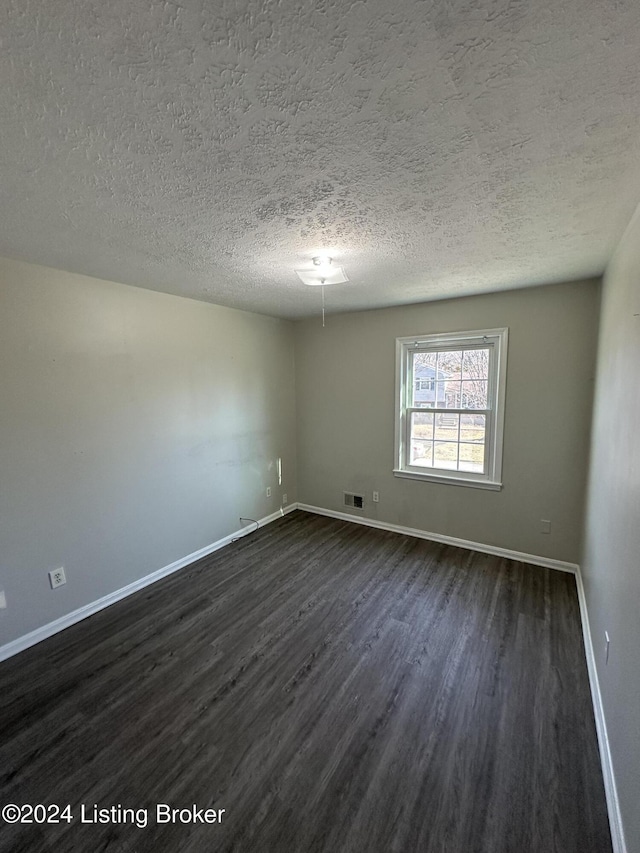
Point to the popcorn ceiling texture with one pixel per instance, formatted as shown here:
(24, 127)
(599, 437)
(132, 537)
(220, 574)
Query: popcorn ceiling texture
(210, 148)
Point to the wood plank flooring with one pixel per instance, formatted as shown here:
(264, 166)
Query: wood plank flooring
(333, 688)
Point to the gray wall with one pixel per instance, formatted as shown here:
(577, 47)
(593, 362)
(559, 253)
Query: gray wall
(611, 563)
(135, 428)
(345, 400)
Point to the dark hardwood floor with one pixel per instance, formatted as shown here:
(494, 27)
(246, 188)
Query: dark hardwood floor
(333, 688)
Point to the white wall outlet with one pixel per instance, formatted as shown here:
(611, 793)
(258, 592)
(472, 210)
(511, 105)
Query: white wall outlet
(545, 525)
(376, 497)
(57, 577)
(3, 600)
(268, 491)
(607, 641)
(284, 499)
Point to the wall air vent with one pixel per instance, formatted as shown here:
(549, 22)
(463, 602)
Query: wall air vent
(353, 501)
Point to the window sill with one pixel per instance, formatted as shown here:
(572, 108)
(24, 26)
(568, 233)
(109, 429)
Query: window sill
(492, 485)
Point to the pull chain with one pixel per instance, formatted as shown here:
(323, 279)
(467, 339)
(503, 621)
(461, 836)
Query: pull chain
(323, 305)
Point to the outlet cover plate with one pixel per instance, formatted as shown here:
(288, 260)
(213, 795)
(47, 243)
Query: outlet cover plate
(57, 577)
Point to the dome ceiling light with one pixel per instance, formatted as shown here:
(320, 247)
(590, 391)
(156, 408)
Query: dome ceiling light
(323, 271)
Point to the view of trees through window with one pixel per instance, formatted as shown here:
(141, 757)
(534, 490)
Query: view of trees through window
(453, 385)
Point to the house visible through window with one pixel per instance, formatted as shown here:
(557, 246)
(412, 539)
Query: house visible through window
(450, 407)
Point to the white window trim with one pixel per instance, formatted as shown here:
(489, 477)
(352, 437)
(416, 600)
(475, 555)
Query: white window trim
(498, 338)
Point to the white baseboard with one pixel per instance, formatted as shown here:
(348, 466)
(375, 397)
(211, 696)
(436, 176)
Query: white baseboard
(39, 634)
(48, 630)
(547, 562)
(610, 788)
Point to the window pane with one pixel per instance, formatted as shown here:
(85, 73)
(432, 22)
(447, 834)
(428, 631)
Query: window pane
(472, 457)
(441, 395)
(473, 394)
(450, 364)
(421, 453)
(421, 438)
(421, 425)
(452, 394)
(472, 436)
(472, 428)
(445, 455)
(425, 359)
(446, 427)
(475, 364)
(424, 371)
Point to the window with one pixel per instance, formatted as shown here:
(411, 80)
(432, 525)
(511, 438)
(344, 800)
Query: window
(425, 384)
(450, 407)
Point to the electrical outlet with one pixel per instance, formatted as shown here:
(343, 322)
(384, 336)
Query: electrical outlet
(606, 647)
(3, 600)
(376, 497)
(268, 491)
(57, 577)
(284, 499)
(545, 525)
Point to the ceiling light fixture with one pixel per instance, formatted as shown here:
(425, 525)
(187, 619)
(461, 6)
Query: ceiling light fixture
(323, 271)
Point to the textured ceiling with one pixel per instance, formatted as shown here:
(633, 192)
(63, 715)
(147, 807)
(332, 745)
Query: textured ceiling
(210, 148)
